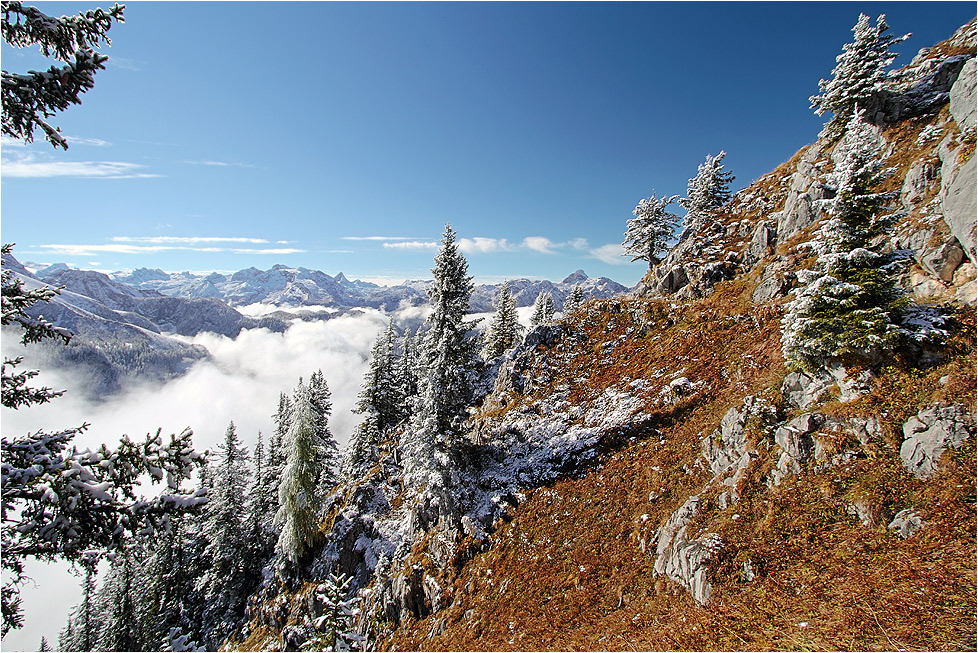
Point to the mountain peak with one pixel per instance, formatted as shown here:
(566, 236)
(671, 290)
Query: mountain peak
(577, 277)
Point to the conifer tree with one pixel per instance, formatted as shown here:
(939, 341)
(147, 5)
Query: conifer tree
(448, 361)
(83, 622)
(850, 304)
(448, 355)
(860, 71)
(407, 373)
(706, 192)
(504, 329)
(380, 393)
(119, 605)
(262, 506)
(322, 406)
(647, 234)
(298, 512)
(575, 300)
(30, 99)
(44, 644)
(543, 309)
(224, 583)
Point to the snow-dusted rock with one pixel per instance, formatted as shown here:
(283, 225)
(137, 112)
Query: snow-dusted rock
(906, 523)
(930, 433)
(802, 389)
(684, 560)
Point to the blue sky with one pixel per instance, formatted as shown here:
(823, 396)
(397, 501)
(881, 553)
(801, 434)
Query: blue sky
(343, 136)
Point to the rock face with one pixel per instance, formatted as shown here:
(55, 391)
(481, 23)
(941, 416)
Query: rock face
(930, 433)
(963, 97)
(684, 560)
(960, 207)
(802, 207)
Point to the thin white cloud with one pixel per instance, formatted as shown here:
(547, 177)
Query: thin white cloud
(539, 244)
(579, 244)
(174, 240)
(281, 250)
(94, 142)
(480, 245)
(30, 168)
(379, 238)
(221, 164)
(122, 248)
(412, 245)
(611, 253)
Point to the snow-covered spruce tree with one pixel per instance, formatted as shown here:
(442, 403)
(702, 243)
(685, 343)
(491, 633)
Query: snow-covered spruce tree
(365, 436)
(648, 233)
(30, 99)
(504, 329)
(860, 71)
(335, 628)
(298, 513)
(223, 586)
(849, 306)
(575, 300)
(706, 192)
(83, 626)
(171, 568)
(262, 504)
(447, 359)
(543, 309)
(406, 373)
(119, 605)
(322, 405)
(380, 394)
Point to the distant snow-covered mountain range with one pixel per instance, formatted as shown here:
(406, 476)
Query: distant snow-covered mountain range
(287, 286)
(129, 324)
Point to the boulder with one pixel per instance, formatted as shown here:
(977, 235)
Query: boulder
(942, 260)
(963, 97)
(773, 284)
(674, 280)
(930, 433)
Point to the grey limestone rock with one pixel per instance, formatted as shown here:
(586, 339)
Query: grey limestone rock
(930, 433)
(906, 523)
(795, 437)
(960, 207)
(918, 180)
(684, 560)
(963, 97)
(764, 238)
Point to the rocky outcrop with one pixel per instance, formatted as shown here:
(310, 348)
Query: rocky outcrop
(963, 97)
(682, 559)
(804, 388)
(959, 203)
(926, 90)
(803, 206)
(932, 432)
(905, 523)
(796, 443)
